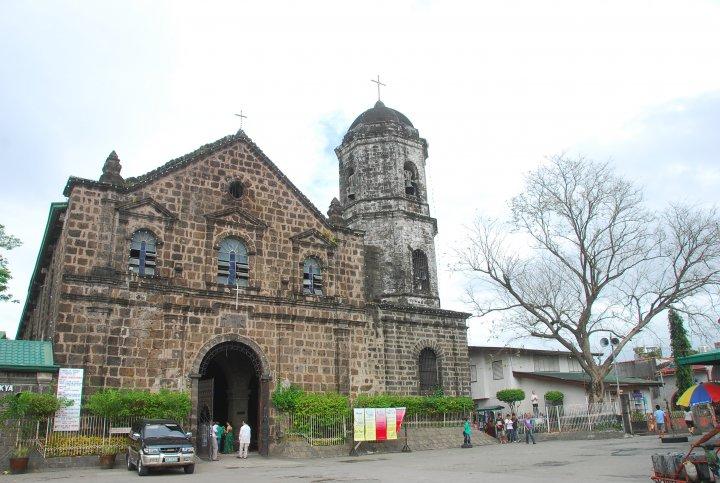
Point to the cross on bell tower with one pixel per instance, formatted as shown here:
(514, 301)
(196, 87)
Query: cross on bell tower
(378, 84)
(241, 116)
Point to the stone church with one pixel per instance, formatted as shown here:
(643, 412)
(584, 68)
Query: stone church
(214, 274)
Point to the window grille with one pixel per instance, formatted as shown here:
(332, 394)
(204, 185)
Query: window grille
(312, 277)
(421, 277)
(473, 373)
(497, 370)
(143, 253)
(233, 263)
(430, 379)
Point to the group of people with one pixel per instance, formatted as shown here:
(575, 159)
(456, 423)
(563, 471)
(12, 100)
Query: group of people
(659, 418)
(506, 429)
(222, 439)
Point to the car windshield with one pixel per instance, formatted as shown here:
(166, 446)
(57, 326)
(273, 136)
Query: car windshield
(163, 431)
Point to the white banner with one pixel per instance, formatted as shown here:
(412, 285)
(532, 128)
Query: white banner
(70, 383)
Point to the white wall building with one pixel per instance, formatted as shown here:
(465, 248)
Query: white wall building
(495, 368)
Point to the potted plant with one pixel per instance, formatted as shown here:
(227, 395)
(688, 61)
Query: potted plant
(19, 460)
(108, 453)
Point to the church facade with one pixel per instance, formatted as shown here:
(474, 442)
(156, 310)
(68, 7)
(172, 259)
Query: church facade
(214, 274)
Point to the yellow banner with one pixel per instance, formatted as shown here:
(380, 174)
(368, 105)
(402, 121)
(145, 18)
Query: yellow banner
(369, 424)
(391, 416)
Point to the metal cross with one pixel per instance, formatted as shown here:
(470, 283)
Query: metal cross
(378, 84)
(241, 116)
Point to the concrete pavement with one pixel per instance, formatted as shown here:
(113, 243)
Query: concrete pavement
(611, 460)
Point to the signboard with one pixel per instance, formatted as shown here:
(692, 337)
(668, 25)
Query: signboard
(377, 424)
(70, 382)
(6, 388)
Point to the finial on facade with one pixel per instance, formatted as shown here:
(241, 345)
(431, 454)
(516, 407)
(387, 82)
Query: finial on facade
(335, 213)
(111, 170)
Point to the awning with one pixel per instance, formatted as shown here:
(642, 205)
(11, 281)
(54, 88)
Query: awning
(490, 408)
(711, 358)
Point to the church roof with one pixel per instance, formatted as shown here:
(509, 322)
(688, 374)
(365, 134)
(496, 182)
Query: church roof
(381, 113)
(131, 184)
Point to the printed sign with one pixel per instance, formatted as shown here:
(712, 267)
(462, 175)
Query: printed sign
(377, 424)
(6, 388)
(70, 383)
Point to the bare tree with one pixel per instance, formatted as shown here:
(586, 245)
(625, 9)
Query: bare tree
(581, 256)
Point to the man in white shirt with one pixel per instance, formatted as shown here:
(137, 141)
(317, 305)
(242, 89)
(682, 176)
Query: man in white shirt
(534, 401)
(245, 432)
(214, 441)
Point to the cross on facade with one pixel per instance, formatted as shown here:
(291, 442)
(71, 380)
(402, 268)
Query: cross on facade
(378, 85)
(241, 116)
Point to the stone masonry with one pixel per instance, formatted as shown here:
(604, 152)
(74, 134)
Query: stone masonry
(364, 333)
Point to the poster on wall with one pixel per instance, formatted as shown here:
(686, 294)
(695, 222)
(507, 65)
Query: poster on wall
(377, 424)
(70, 383)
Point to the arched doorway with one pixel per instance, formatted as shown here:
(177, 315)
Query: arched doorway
(231, 385)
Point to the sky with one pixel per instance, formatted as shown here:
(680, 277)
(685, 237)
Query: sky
(494, 86)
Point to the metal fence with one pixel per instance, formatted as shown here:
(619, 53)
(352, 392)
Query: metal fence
(575, 418)
(444, 420)
(316, 430)
(95, 436)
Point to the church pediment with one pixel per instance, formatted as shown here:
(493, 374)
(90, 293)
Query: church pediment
(236, 217)
(313, 238)
(145, 208)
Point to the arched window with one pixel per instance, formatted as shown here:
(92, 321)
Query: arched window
(351, 184)
(421, 277)
(411, 179)
(430, 376)
(312, 277)
(233, 267)
(143, 253)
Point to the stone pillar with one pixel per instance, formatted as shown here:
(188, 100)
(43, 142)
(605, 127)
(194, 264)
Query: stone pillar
(342, 359)
(264, 415)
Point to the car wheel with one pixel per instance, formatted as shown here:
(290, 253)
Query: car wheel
(142, 471)
(128, 461)
(189, 469)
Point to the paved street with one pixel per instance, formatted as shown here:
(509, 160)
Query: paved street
(605, 460)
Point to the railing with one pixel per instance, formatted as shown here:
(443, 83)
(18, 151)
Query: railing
(316, 430)
(575, 418)
(444, 420)
(95, 436)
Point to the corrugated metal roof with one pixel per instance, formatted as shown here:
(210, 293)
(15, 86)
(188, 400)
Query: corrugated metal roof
(26, 355)
(582, 377)
(710, 358)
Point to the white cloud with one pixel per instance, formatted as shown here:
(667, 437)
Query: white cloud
(493, 86)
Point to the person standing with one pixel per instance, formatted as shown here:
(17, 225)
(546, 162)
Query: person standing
(688, 416)
(660, 419)
(529, 424)
(229, 444)
(534, 401)
(245, 433)
(220, 435)
(467, 431)
(214, 441)
(509, 429)
(516, 426)
(500, 430)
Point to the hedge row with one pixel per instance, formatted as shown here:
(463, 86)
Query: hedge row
(295, 400)
(122, 404)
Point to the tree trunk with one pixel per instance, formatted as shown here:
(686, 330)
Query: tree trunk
(596, 393)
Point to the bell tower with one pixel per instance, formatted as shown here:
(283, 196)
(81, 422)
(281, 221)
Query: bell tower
(383, 192)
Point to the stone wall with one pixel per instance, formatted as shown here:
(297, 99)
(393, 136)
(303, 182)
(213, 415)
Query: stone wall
(150, 332)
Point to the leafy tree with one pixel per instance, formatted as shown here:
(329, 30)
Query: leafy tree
(30, 405)
(680, 348)
(7, 242)
(554, 397)
(511, 396)
(582, 256)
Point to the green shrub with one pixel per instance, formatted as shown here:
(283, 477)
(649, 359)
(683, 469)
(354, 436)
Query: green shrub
(286, 399)
(416, 404)
(30, 405)
(119, 404)
(511, 396)
(554, 397)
